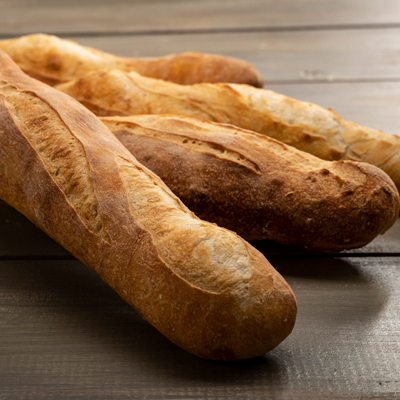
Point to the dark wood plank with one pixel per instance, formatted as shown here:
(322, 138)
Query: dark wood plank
(387, 244)
(65, 334)
(373, 104)
(309, 56)
(20, 239)
(23, 16)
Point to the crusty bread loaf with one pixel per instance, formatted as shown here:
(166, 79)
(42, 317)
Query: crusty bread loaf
(305, 126)
(259, 187)
(54, 60)
(200, 285)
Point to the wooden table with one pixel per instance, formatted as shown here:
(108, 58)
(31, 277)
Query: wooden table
(64, 334)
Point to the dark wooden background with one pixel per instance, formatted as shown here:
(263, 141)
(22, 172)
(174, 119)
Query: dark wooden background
(64, 334)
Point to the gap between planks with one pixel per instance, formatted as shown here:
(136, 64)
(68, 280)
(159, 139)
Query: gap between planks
(207, 31)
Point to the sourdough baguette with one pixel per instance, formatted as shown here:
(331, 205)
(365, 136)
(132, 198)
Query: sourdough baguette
(259, 187)
(202, 286)
(54, 60)
(306, 126)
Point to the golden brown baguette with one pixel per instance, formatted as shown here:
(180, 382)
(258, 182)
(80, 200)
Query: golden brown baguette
(259, 187)
(54, 60)
(306, 126)
(202, 286)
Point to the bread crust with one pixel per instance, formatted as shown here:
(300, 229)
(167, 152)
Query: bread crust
(306, 126)
(259, 187)
(53, 60)
(202, 286)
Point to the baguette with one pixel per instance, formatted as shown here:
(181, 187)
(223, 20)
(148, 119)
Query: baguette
(54, 60)
(200, 285)
(306, 126)
(259, 187)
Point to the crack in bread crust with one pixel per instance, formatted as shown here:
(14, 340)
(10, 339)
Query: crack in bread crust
(159, 213)
(61, 153)
(190, 142)
(252, 308)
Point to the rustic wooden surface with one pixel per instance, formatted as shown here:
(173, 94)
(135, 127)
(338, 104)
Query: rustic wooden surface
(64, 334)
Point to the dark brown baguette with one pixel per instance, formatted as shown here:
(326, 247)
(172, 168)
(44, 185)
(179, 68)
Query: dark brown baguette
(303, 125)
(202, 286)
(259, 187)
(54, 60)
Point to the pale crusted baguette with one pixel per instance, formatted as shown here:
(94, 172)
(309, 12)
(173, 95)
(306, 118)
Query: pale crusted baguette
(306, 126)
(259, 187)
(54, 60)
(202, 286)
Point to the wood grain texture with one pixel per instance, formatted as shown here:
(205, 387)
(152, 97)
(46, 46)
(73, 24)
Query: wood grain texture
(287, 56)
(373, 104)
(20, 239)
(140, 16)
(66, 334)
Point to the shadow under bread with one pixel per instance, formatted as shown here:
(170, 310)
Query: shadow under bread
(69, 312)
(72, 312)
(334, 294)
